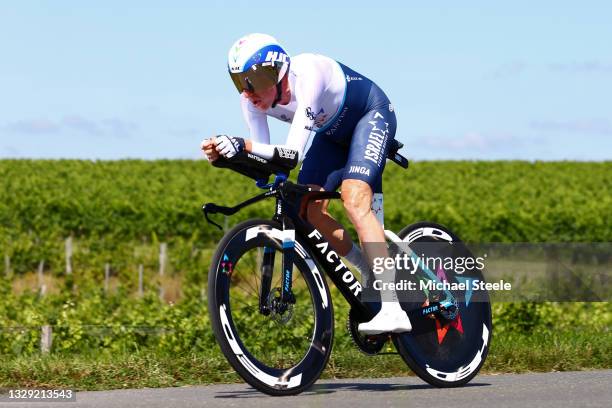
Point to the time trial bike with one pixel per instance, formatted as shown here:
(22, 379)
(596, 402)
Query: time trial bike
(271, 309)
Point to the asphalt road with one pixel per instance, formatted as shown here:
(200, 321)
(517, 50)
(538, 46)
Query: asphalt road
(567, 389)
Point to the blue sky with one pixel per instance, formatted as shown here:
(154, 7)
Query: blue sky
(147, 79)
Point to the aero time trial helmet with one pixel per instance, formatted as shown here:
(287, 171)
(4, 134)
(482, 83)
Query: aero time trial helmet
(257, 62)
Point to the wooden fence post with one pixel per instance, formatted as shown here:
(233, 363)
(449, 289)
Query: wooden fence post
(552, 269)
(140, 280)
(106, 276)
(46, 338)
(42, 288)
(7, 265)
(163, 256)
(68, 255)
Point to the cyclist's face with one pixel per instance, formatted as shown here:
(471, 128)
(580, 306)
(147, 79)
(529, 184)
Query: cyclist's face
(262, 99)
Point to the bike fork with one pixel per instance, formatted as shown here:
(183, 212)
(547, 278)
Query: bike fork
(267, 266)
(288, 256)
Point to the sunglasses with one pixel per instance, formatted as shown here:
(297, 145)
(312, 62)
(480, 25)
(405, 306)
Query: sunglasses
(257, 78)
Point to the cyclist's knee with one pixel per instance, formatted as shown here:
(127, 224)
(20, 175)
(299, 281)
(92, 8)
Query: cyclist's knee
(356, 198)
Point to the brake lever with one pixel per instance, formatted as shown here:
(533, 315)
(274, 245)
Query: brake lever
(212, 209)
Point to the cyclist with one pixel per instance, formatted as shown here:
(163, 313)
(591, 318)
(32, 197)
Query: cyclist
(351, 123)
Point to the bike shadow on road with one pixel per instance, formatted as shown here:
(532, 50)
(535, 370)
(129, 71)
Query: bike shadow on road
(330, 388)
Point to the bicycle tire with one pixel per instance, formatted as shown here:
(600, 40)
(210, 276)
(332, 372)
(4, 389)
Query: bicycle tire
(260, 374)
(459, 356)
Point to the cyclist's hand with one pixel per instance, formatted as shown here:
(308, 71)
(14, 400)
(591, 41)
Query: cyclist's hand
(229, 146)
(209, 149)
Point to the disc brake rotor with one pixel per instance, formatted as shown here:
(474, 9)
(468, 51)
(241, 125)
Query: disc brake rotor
(281, 312)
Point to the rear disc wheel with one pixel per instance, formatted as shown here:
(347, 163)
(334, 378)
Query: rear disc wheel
(444, 352)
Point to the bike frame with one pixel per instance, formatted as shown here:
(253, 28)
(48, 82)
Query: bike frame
(289, 200)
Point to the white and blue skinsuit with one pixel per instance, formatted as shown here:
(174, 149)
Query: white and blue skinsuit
(350, 117)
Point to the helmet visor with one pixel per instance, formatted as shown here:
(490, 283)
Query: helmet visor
(257, 78)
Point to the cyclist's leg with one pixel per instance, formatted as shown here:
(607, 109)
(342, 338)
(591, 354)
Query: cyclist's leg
(362, 175)
(362, 178)
(322, 169)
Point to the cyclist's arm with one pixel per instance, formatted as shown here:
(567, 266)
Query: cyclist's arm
(299, 134)
(256, 121)
(259, 132)
(308, 92)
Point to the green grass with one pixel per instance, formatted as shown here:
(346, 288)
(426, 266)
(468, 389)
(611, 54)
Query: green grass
(550, 351)
(510, 353)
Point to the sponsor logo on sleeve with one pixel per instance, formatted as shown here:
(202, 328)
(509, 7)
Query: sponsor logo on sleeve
(359, 170)
(310, 114)
(337, 123)
(377, 139)
(353, 78)
(286, 153)
(319, 118)
(259, 159)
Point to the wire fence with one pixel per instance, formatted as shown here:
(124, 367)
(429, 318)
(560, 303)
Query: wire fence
(42, 275)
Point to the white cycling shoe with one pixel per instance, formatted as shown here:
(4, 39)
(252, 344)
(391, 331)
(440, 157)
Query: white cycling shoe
(387, 321)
